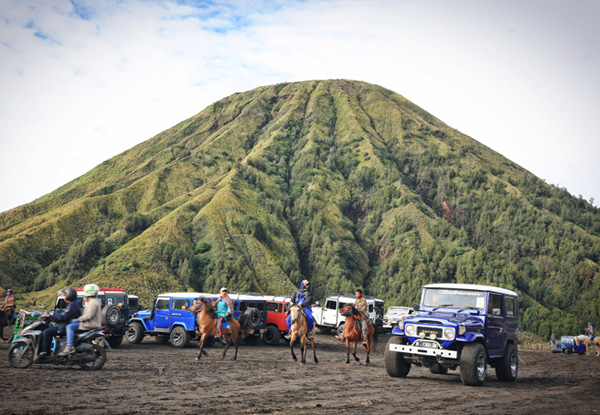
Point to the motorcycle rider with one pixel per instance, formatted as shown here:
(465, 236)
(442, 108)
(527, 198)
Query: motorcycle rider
(72, 311)
(90, 319)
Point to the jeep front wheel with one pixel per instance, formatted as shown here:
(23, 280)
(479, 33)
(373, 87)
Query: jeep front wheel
(272, 336)
(180, 337)
(507, 367)
(135, 334)
(473, 364)
(395, 364)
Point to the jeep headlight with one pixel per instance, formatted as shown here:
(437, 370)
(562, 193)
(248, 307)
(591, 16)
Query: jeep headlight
(449, 333)
(410, 330)
(461, 329)
(401, 324)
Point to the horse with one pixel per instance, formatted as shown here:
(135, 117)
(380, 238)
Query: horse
(207, 327)
(4, 322)
(353, 333)
(588, 342)
(299, 329)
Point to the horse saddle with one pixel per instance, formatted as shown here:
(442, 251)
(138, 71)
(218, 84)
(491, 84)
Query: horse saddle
(225, 324)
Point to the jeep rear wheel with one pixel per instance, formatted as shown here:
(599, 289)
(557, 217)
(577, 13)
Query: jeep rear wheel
(272, 336)
(115, 341)
(135, 334)
(508, 366)
(473, 364)
(395, 364)
(438, 369)
(180, 337)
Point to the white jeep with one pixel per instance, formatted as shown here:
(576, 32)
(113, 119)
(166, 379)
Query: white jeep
(394, 315)
(327, 317)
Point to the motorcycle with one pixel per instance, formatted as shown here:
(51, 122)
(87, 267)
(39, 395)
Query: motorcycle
(24, 319)
(89, 355)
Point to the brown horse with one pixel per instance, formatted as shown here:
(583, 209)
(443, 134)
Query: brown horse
(588, 342)
(3, 323)
(207, 327)
(353, 333)
(299, 330)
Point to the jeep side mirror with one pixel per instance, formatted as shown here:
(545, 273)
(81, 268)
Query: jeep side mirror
(416, 307)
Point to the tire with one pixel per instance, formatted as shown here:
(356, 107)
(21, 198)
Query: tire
(253, 318)
(568, 351)
(135, 334)
(324, 329)
(180, 337)
(438, 369)
(99, 359)
(111, 314)
(395, 364)
(340, 330)
(272, 336)
(582, 352)
(507, 367)
(20, 355)
(115, 341)
(251, 339)
(473, 364)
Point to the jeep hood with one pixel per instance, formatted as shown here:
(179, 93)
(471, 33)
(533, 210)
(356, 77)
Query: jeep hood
(446, 319)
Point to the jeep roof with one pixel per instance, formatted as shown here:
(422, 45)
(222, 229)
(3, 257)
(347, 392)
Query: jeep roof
(473, 287)
(185, 295)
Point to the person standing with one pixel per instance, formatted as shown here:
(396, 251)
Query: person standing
(90, 319)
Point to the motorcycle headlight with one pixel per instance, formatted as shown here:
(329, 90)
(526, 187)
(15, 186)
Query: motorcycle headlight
(410, 330)
(449, 333)
(461, 329)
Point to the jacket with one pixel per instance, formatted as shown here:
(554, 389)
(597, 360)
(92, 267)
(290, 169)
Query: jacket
(302, 297)
(72, 311)
(92, 315)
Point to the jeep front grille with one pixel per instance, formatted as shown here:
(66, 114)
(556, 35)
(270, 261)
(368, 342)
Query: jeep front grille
(429, 331)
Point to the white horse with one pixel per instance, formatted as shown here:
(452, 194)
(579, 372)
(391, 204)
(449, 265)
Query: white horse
(582, 338)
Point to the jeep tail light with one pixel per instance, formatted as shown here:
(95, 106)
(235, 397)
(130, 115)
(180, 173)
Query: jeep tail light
(461, 329)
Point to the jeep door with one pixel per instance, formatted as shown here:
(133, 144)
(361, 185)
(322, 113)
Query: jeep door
(330, 313)
(162, 315)
(180, 314)
(495, 326)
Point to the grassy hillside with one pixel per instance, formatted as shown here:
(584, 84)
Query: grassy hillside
(341, 182)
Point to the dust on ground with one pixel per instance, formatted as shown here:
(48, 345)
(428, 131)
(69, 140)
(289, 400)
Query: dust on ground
(150, 378)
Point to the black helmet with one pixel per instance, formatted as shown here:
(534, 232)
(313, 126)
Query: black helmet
(70, 294)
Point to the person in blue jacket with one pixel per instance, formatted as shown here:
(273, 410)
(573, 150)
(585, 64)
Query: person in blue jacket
(303, 297)
(73, 311)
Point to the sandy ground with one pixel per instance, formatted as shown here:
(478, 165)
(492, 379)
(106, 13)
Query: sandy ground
(156, 378)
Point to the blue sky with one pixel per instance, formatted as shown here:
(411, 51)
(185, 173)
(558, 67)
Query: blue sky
(82, 81)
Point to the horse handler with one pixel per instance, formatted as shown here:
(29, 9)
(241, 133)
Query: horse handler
(363, 312)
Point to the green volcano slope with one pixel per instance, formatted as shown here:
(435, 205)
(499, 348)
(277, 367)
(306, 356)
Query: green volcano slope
(344, 183)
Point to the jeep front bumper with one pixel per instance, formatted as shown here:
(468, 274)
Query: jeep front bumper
(424, 351)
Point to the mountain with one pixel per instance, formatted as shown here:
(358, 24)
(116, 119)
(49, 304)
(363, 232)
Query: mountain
(345, 183)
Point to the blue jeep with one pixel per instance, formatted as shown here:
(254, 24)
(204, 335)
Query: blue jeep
(169, 319)
(455, 325)
(256, 307)
(568, 345)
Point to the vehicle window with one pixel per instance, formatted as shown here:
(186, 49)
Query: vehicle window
(133, 302)
(243, 306)
(370, 308)
(495, 302)
(162, 304)
(181, 304)
(61, 304)
(287, 307)
(272, 307)
(260, 306)
(509, 305)
(235, 305)
(450, 298)
(331, 305)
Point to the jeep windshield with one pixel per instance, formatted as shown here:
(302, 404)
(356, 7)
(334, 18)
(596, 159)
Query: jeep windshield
(455, 299)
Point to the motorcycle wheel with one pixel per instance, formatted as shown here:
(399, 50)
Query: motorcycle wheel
(98, 359)
(20, 355)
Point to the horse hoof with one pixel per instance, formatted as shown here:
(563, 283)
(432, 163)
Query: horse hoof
(347, 361)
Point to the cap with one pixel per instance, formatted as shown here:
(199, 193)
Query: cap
(305, 282)
(223, 289)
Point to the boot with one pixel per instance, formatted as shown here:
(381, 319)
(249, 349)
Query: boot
(68, 350)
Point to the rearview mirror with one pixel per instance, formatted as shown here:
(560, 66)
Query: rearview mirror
(416, 307)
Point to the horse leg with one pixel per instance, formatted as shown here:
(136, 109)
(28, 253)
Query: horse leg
(354, 350)
(314, 347)
(347, 350)
(236, 341)
(303, 350)
(226, 344)
(201, 347)
(292, 341)
(369, 339)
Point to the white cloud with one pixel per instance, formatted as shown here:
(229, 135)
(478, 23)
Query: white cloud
(102, 76)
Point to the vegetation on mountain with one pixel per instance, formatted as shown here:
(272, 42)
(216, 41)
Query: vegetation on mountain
(344, 183)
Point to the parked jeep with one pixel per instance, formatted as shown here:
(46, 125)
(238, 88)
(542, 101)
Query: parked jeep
(328, 317)
(394, 315)
(568, 345)
(463, 325)
(277, 307)
(256, 308)
(115, 311)
(169, 319)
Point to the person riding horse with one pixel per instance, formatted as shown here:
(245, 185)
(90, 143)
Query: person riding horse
(302, 297)
(224, 306)
(590, 332)
(360, 305)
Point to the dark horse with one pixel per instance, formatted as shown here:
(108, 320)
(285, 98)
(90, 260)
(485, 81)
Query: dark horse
(4, 322)
(352, 333)
(207, 327)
